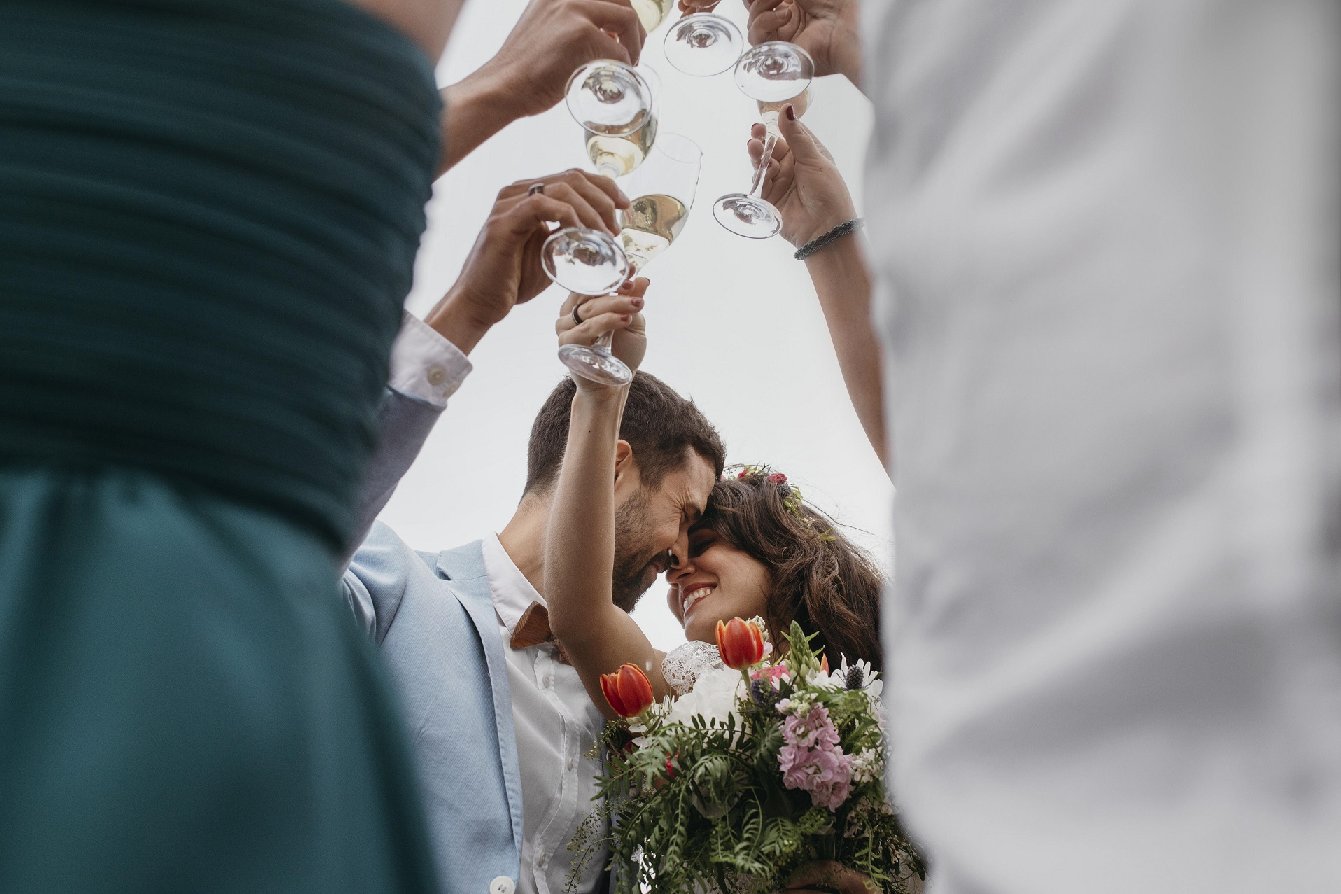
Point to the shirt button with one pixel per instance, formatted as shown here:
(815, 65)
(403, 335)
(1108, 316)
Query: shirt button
(435, 376)
(502, 885)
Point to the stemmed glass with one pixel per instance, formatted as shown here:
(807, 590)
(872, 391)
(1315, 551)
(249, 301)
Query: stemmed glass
(614, 104)
(664, 187)
(703, 44)
(774, 74)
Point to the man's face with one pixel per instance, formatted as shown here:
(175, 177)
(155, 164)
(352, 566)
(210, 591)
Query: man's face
(651, 521)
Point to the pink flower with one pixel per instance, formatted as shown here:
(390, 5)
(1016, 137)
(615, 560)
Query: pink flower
(774, 673)
(812, 759)
(777, 478)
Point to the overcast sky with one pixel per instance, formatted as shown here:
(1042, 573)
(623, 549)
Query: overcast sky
(733, 323)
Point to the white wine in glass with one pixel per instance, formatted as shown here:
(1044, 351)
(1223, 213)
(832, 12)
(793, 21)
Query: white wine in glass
(614, 104)
(617, 151)
(649, 226)
(651, 13)
(665, 187)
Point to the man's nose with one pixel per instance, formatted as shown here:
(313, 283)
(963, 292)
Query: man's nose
(679, 560)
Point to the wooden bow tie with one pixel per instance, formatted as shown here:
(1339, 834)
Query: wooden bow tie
(533, 629)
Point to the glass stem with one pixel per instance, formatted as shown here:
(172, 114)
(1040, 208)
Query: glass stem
(605, 341)
(757, 185)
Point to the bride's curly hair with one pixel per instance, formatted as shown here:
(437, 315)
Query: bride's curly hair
(819, 578)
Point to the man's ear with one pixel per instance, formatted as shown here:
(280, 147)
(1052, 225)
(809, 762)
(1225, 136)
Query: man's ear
(625, 467)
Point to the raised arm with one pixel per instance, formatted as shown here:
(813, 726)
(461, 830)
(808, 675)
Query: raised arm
(805, 185)
(597, 635)
(529, 73)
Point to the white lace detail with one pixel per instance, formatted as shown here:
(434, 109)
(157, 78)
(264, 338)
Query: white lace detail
(683, 664)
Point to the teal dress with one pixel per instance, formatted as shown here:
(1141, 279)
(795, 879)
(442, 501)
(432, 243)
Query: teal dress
(208, 218)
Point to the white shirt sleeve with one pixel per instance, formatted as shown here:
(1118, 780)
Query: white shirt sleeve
(424, 365)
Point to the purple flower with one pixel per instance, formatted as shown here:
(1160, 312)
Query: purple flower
(812, 759)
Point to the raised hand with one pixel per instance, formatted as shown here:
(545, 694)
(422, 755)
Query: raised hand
(826, 29)
(528, 74)
(802, 182)
(553, 38)
(503, 268)
(620, 313)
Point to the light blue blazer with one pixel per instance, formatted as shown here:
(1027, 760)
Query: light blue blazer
(432, 616)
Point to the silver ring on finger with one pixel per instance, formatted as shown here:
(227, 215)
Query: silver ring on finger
(535, 188)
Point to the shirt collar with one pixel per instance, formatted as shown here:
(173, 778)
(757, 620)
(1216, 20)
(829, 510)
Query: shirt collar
(512, 592)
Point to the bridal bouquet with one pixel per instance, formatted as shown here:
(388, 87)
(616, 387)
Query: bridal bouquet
(762, 767)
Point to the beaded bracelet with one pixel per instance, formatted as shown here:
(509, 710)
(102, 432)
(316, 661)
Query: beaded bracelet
(843, 229)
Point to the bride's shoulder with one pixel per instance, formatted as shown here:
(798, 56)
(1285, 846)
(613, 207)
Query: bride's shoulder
(683, 664)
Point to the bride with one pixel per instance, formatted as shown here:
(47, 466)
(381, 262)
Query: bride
(759, 549)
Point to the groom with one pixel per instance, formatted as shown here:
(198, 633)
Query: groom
(502, 729)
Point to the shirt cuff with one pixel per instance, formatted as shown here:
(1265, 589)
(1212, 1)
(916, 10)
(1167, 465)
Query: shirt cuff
(424, 365)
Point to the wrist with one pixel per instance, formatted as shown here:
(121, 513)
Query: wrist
(457, 319)
(847, 61)
(474, 109)
(820, 238)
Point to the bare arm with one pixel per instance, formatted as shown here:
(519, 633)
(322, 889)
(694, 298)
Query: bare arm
(597, 635)
(808, 189)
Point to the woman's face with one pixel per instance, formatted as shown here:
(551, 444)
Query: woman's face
(717, 582)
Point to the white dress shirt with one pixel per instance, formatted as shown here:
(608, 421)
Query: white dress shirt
(1105, 238)
(557, 727)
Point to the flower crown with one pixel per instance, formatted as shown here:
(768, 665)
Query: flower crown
(761, 475)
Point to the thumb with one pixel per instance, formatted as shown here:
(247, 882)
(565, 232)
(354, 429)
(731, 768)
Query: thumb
(800, 140)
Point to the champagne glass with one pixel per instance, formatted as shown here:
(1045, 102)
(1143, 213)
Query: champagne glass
(664, 186)
(773, 74)
(703, 44)
(614, 104)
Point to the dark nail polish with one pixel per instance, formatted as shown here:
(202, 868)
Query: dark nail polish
(791, 113)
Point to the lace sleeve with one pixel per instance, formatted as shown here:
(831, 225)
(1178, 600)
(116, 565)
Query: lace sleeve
(683, 664)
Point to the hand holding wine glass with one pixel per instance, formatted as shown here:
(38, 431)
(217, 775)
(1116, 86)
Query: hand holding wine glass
(584, 318)
(504, 267)
(802, 182)
(829, 30)
(774, 74)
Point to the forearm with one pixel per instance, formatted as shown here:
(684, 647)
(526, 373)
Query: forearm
(842, 281)
(597, 635)
(474, 109)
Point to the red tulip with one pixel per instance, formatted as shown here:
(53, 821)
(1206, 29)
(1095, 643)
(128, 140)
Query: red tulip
(741, 643)
(627, 690)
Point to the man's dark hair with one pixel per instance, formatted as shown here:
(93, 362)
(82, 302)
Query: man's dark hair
(658, 423)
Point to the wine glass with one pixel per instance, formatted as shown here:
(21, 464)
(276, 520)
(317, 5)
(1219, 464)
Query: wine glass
(651, 13)
(664, 186)
(703, 44)
(614, 103)
(774, 74)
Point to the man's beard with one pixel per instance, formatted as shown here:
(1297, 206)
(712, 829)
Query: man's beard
(632, 554)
